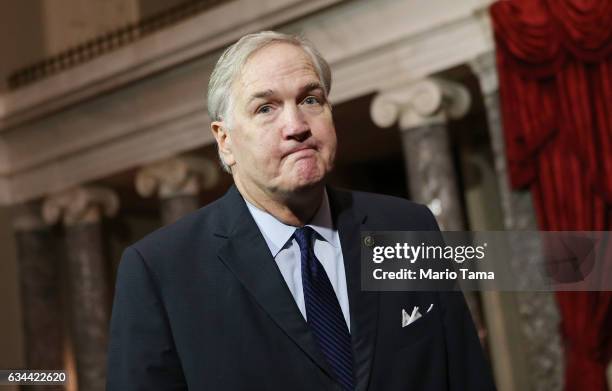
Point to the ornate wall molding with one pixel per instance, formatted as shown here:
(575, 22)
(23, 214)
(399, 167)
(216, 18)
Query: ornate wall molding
(111, 40)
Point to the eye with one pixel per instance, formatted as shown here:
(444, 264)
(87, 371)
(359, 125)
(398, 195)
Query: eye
(264, 109)
(311, 100)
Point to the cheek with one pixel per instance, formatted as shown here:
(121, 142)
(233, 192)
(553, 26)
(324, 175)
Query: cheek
(267, 149)
(264, 154)
(333, 140)
(327, 137)
(252, 147)
(324, 127)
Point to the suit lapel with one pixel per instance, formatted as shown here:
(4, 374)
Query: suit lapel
(246, 254)
(363, 305)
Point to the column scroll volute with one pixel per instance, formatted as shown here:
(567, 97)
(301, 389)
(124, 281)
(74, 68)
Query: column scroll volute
(80, 205)
(419, 103)
(185, 175)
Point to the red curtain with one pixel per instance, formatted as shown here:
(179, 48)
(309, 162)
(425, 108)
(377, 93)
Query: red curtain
(554, 60)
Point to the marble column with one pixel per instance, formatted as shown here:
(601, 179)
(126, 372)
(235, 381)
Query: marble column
(40, 283)
(81, 211)
(541, 362)
(422, 110)
(177, 182)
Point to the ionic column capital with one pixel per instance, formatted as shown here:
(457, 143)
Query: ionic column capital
(176, 176)
(421, 103)
(80, 205)
(28, 217)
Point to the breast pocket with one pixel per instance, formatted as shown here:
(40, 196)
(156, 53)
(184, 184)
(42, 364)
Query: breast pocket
(409, 328)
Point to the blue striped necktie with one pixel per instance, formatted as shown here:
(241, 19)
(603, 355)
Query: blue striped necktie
(323, 312)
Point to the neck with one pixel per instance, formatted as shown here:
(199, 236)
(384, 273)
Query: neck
(295, 209)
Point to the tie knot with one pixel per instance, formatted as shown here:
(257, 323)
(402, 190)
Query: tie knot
(304, 236)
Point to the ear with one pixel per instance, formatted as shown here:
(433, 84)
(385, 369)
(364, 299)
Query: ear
(224, 141)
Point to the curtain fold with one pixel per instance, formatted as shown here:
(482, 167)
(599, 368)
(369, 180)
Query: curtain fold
(554, 60)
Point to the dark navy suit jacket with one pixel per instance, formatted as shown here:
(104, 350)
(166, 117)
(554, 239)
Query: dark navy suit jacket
(201, 305)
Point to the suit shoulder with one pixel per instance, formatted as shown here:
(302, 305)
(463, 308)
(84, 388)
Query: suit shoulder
(394, 213)
(195, 227)
(375, 200)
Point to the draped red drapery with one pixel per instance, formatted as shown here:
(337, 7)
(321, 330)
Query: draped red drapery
(554, 60)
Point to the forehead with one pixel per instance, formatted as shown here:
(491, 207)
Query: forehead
(275, 63)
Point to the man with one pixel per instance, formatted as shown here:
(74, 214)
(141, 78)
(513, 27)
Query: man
(260, 290)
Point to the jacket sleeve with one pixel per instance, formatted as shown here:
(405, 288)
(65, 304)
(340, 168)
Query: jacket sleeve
(141, 352)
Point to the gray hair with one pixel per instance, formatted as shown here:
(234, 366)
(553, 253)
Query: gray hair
(232, 61)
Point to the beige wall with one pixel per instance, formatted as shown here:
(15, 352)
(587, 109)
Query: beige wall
(151, 7)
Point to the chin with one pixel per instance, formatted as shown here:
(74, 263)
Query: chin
(305, 184)
(304, 177)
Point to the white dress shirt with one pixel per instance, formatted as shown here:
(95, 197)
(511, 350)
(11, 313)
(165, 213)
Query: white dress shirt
(286, 252)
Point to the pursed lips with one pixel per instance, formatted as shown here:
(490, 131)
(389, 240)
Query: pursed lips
(299, 149)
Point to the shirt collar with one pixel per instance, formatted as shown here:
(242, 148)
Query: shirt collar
(277, 233)
(322, 221)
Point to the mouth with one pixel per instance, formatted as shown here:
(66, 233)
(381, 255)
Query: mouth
(302, 150)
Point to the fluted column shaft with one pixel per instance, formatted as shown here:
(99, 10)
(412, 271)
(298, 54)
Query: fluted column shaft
(422, 110)
(40, 285)
(431, 173)
(81, 211)
(89, 296)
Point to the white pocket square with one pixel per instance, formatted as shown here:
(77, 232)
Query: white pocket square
(409, 318)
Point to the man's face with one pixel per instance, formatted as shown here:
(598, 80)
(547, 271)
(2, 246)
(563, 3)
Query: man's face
(282, 138)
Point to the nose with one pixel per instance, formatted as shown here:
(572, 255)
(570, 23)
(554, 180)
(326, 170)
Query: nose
(295, 125)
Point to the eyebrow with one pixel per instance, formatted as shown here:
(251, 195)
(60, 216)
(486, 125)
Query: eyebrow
(267, 93)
